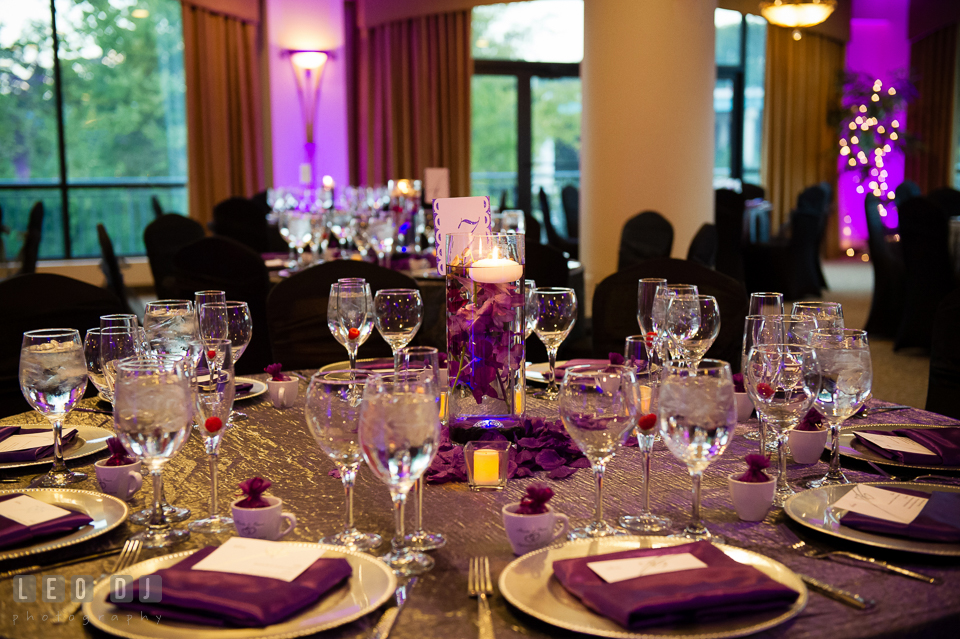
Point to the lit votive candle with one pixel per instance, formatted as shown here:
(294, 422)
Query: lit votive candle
(645, 396)
(495, 270)
(486, 467)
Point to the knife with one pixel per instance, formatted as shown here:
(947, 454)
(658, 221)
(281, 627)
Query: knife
(843, 596)
(385, 625)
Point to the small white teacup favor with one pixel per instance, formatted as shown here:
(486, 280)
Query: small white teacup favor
(283, 393)
(744, 407)
(263, 523)
(806, 446)
(121, 482)
(532, 532)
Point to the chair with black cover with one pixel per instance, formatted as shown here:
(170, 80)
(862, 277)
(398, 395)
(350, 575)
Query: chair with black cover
(615, 305)
(30, 252)
(570, 198)
(886, 257)
(297, 313)
(752, 191)
(546, 265)
(728, 217)
(703, 246)
(242, 220)
(163, 238)
(532, 228)
(219, 263)
(943, 389)
(570, 246)
(645, 236)
(156, 206)
(110, 266)
(928, 272)
(947, 199)
(43, 300)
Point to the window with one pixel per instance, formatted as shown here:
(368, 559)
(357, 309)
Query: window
(92, 100)
(738, 96)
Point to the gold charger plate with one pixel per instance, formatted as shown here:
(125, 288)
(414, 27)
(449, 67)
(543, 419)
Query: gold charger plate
(850, 447)
(89, 440)
(339, 366)
(538, 372)
(528, 583)
(107, 512)
(259, 388)
(811, 508)
(371, 584)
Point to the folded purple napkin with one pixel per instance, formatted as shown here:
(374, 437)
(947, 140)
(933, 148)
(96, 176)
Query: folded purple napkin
(945, 442)
(226, 599)
(32, 454)
(243, 388)
(724, 588)
(938, 521)
(12, 533)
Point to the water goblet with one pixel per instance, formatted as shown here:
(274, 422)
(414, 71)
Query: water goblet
(116, 343)
(659, 314)
(53, 377)
(699, 313)
(91, 352)
(765, 304)
(214, 397)
(398, 313)
(208, 297)
(153, 410)
(827, 314)
(529, 307)
(332, 411)
(239, 328)
(426, 361)
(645, 430)
(647, 289)
(597, 408)
(697, 417)
(399, 436)
(352, 301)
(782, 380)
(846, 373)
(170, 325)
(556, 315)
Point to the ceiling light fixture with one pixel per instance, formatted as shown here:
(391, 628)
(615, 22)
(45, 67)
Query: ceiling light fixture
(795, 15)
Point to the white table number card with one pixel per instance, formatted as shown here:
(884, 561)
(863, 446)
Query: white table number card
(616, 570)
(458, 215)
(882, 504)
(28, 511)
(260, 558)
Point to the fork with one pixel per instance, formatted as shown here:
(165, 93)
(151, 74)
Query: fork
(479, 585)
(128, 556)
(808, 551)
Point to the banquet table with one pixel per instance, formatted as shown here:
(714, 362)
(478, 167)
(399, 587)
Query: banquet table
(275, 444)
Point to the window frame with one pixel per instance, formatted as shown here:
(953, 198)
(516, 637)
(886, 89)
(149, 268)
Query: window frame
(737, 73)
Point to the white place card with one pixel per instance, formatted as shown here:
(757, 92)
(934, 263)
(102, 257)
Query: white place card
(260, 558)
(616, 570)
(882, 504)
(30, 440)
(28, 511)
(458, 215)
(895, 442)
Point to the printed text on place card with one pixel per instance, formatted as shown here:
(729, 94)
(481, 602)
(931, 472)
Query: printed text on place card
(28, 511)
(893, 442)
(882, 504)
(260, 558)
(616, 570)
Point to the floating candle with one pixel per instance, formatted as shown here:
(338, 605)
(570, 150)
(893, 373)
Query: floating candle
(486, 467)
(495, 270)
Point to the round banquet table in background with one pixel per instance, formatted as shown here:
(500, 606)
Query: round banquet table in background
(275, 444)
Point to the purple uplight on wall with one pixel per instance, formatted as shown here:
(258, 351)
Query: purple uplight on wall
(879, 48)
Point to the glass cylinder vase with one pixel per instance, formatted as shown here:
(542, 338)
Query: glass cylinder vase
(485, 333)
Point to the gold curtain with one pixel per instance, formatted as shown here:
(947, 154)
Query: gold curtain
(931, 116)
(224, 131)
(412, 83)
(799, 145)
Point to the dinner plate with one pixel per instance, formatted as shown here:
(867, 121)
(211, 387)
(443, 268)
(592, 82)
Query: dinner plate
(387, 365)
(851, 447)
(107, 512)
(259, 388)
(538, 372)
(811, 508)
(528, 583)
(370, 585)
(89, 440)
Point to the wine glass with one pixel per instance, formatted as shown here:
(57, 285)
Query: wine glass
(827, 314)
(214, 396)
(332, 410)
(208, 297)
(230, 321)
(529, 307)
(91, 352)
(126, 319)
(424, 360)
(350, 306)
(846, 375)
(556, 315)
(698, 415)
(659, 314)
(398, 313)
(597, 408)
(645, 430)
(152, 412)
(765, 304)
(116, 343)
(783, 380)
(212, 321)
(296, 229)
(170, 325)
(647, 289)
(53, 377)
(693, 323)
(399, 436)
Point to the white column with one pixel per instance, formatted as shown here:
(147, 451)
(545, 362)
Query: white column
(648, 73)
